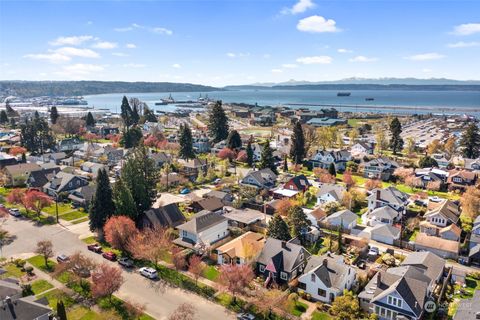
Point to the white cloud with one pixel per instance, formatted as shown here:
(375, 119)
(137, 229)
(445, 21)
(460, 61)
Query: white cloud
(130, 46)
(343, 50)
(176, 65)
(299, 7)
(72, 41)
(317, 24)
(77, 52)
(158, 30)
(289, 65)
(105, 45)
(315, 60)
(119, 54)
(462, 44)
(81, 69)
(237, 54)
(362, 59)
(426, 56)
(51, 57)
(267, 56)
(466, 29)
(277, 70)
(134, 65)
(89, 23)
(162, 31)
(125, 29)
(426, 70)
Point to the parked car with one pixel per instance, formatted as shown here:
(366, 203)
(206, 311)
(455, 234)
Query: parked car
(62, 258)
(127, 263)
(110, 256)
(149, 273)
(15, 212)
(362, 264)
(420, 203)
(245, 316)
(95, 248)
(81, 271)
(435, 199)
(185, 191)
(373, 252)
(217, 181)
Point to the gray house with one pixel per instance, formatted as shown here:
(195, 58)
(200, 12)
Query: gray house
(263, 179)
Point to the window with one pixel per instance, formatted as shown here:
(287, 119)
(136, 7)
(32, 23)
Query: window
(312, 277)
(283, 276)
(322, 293)
(302, 286)
(394, 301)
(261, 268)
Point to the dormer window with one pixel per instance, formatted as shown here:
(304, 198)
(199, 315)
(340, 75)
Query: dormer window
(394, 301)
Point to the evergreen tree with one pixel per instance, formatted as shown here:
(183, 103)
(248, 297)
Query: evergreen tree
(135, 115)
(267, 160)
(102, 206)
(249, 154)
(470, 142)
(396, 142)
(126, 112)
(13, 124)
(149, 115)
(297, 221)
(140, 175)
(331, 170)
(61, 313)
(54, 115)
(278, 229)
(217, 123)
(10, 111)
(186, 143)
(297, 149)
(36, 135)
(427, 162)
(340, 240)
(234, 142)
(123, 200)
(285, 164)
(90, 121)
(24, 158)
(131, 137)
(3, 117)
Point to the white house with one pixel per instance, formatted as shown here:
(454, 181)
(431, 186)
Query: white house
(444, 214)
(330, 192)
(345, 218)
(326, 277)
(361, 148)
(323, 159)
(385, 215)
(389, 196)
(385, 233)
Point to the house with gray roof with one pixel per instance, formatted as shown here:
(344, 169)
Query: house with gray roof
(323, 159)
(204, 229)
(330, 192)
(325, 277)
(446, 213)
(389, 196)
(168, 216)
(383, 233)
(343, 218)
(263, 179)
(281, 261)
(380, 168)
(385, 215)
(38, 178)
(64, 182)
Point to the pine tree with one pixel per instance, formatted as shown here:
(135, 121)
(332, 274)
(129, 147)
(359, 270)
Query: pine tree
(54, 115)
(427, 162)
(249, 154)
(61, 313)
(297, 149)
(123, 200)
(126, 112)
(186, 143)
(285, 164)
(278, 229)
(331, 170)
(90, 121)
(396, 142)
(135, 115)
(234, 142)
(149, 115)
(340, 240)
(102, 206)
(217, 123)
(267, 160)
(470, 142)
(3, 117)
(131, 137)
(36, 136)
(297, 221)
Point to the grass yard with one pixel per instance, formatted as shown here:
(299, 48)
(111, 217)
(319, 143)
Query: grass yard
(316, 315)
(80, 220)
(296, 308)
(82, 313)
(211, 273)
(72, 215)
(40, 286)
(39, 263)
(54, 295)
(12, 271)
(62, 208)
(4, 191)
(118, 306)
(105, 246)
(90, 240)
(468, 291)
(413, 236)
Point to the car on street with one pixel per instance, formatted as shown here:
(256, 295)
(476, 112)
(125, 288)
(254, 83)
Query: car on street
(15, 212)
(149, 273)
(61, 258)
(127, 263)
(373, 252)
(81, 271)
(245, 316)
(185, 191)
(95, 248)
(110, 256)
(435, 199)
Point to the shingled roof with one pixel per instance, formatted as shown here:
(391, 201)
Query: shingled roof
(202, 221)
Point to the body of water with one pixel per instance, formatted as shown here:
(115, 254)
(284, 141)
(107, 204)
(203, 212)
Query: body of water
(385, 101)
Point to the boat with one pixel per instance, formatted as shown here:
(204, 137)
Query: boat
(369, 99)
(343, 94)
(168, 100)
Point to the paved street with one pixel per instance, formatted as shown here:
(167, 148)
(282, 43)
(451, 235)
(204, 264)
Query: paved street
(159, 303)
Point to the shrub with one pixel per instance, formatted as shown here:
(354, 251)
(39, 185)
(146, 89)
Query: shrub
(19, 263)
(29, 270)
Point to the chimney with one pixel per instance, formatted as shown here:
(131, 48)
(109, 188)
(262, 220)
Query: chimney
(379, 278)
(378, 194)
(325, 262)
(284, 245)
(477, 315)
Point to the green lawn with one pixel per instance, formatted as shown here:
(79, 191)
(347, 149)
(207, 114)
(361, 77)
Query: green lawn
(54, 295)
(413, 236)
(72, 215)
(211, 273)
(316, 315)
(90, 240)
(4, 191)
(296, 308)
(118, 306)
(39, 262)
(80, 220)
(469, 290)
(82, 313)
(62, 208)
(40, 286)
(12, 271)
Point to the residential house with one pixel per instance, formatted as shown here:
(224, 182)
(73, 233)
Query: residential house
(385, 233)
(38, 178)
(210, 204)
(323, 159)
(69, 144)
(442, 161)
(451, 232)
(281, 261)
(389, 196)
(246, 218)
(380, 168)
(461, 179)
(82, 196)
(107, 130)
(241, 250)
(330, 192)
(444, 248)
(469, 164)
(325, 277)
(92, 167)
(298, 183)
(263, 179)
(167, 216)
(17, 174)
(474, 243)
(63, 182)
(225, 197)
(6, 160)
(444, 214)
(191, 168)
(204, 229)
(326, 122)
(362, 148)
(381, 215)
(201, 144)
(160, 158)
(345, 219)
(427, 175)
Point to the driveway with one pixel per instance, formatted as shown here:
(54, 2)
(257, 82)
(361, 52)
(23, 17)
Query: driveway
(159, 302)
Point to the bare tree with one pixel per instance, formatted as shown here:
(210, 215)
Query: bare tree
(185, 311)
(45, 248)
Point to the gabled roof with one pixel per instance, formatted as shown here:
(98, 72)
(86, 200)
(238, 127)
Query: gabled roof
(390, 195)
(21, 168)
(39, 178)
(281, 255)
(330, 270)
(202, 221)
(386, 230)
(248, 245)
(437, 243)
(385, 212)
(300, 181)
(346, 215)
(263, 176)
(428, 261)
(166, 216)
(60, 180)
(335, 190)
(448, 209)
(382, 162)
(210, 204)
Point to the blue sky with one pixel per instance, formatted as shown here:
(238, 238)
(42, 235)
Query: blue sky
(238, 42)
